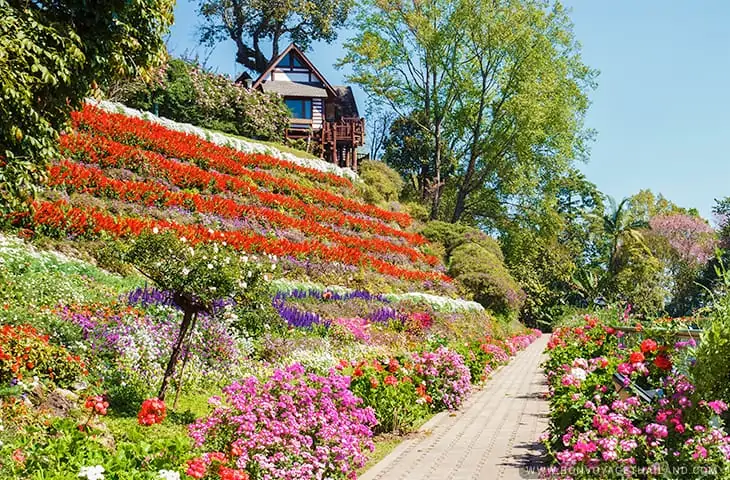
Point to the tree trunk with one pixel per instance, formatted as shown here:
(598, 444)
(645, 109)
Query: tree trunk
(437, 165)
(176, 349)
(185, 361)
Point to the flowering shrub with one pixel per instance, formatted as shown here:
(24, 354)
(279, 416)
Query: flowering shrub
(596, 429)
(136, 343)
(444, 375)
(188, 93)
(292, 426)
(26, 352)
(389, 387)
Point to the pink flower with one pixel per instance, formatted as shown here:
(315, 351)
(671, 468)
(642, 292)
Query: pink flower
(700, 452)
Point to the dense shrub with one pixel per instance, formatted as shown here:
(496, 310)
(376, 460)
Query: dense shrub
(476, 262)
(24, 353)
(67, 452)
(385, 181)
(446, 378)
(712, 368)
(398, 401)
(485, 276)
(185, 92)
(295, 425)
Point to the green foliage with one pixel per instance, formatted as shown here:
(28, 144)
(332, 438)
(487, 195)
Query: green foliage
(501, 86)
(62, 450)
(639, 279)
(397, 407)
(484, 274)
(409, 150)
(544, 269)
(252, 23)
(712, 368)
(386, 181)
(197, 274)
(51, 53)
(185, 92)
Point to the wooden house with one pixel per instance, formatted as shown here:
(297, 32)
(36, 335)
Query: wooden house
(320, 112)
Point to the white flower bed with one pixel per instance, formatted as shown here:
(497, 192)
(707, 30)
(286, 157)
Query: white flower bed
(444, 304)
(225, 140)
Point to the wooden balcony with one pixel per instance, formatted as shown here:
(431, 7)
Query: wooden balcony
(347, 131)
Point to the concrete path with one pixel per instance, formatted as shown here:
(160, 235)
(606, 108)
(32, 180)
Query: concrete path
(493, 436)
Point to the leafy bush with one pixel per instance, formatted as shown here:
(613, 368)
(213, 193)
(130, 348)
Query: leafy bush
(269, 429)
(24, 352)
(446, 378)
(712, 368)
(476, 262)
(485, 276)
(383, 179)
(52, 53)
(185, 92)
(391, 391)
(62, 451)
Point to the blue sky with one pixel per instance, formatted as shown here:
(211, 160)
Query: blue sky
(662, 106)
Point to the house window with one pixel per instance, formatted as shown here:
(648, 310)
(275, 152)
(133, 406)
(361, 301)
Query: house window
(300, 107)
(291, 60)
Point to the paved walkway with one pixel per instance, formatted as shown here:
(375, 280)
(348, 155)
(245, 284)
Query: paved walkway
(493, 436)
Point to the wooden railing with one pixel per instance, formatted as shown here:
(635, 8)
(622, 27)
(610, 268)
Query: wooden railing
(695, 333)
(350, 129)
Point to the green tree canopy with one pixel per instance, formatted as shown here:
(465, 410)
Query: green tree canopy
(51, 55)
(501, 84)
(253, 23)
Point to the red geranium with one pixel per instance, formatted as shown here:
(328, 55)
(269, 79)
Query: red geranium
(648, 345)
(636, 357)
(374, 382)
(232, 474)
(390, 380)
(97, 404)
(196, 468)
(393, 365)
(663, 362)
(153, 411)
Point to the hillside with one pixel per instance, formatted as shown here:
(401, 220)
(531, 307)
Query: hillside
(121, 175)
(343, 325)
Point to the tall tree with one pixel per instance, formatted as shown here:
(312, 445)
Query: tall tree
(252, 24)
(519, 116)
(619, 225)
(407, 54)
(409, 150)
(51, 55)
(500, 82)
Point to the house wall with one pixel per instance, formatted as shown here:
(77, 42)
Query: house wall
(299, 75)
(317, 113)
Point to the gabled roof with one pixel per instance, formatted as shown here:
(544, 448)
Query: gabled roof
(346, 101)
(272, 65)
(294, 89)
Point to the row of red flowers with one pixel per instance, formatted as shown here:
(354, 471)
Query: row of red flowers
(60, 217)
(183, 145)
(81, 178)
(223, 159)
(109, 153)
